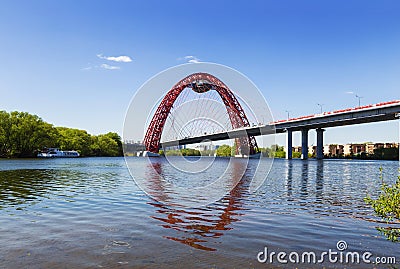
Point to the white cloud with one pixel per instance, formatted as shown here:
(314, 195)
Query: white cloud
(87, 68)
(191, 59)
(109, 67)
(349, 92)
(119, 59)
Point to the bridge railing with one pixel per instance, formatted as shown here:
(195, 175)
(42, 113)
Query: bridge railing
(339, 111)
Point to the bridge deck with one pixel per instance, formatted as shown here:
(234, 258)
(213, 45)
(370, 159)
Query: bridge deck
(365, 114)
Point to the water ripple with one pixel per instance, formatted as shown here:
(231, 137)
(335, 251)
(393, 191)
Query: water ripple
(88, 212)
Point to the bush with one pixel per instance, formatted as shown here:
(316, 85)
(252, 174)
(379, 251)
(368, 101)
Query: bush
(280, 154)
(224, 151)
(387, 206)
(296, 154)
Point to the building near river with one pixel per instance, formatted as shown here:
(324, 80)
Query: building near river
(356, 149)
(348, 150)
(334, 150)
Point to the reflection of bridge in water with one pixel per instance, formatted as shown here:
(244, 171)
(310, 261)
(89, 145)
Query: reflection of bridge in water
(200, 228)
(196, 227)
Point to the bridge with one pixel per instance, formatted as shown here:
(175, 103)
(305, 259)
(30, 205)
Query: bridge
(244, 134)
(365, 114)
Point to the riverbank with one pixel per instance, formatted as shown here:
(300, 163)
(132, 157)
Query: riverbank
(24, 135)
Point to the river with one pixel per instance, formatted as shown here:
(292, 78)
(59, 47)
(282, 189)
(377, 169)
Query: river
(89, 213)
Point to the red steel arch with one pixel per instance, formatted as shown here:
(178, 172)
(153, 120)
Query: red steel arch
(200, 82)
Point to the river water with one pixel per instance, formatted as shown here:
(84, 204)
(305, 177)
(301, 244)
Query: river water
(89, 213)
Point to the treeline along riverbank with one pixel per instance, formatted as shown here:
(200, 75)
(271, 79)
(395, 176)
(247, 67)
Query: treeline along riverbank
(23, 135)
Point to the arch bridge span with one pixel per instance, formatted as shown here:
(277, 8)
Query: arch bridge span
(201, 83)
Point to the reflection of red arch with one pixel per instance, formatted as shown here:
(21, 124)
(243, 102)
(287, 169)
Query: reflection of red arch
(199, 82)
(196, 227)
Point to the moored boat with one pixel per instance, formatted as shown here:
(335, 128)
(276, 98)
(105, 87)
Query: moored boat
(56, 153)
(252, 156)
(147, 154)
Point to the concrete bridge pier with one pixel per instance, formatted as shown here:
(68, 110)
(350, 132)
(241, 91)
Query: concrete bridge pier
(320, 143)
(289, 144)
(304, 144)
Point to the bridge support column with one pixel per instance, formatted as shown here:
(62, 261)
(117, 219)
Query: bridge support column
(289, 144)
(320, 143)
(304, 144)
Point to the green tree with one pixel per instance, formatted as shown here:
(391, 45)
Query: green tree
(22, 134)
(104, 145)
(172, 152)
(190, 152)
(296, 154)
(5, 131)
(279, 151)
(74, 139)
(224, 151)
(182, 152)
(109, 145)
(280, 154)
(276, 147)
(118, 140)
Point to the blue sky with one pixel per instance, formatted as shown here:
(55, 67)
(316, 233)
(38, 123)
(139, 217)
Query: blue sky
(299, 53)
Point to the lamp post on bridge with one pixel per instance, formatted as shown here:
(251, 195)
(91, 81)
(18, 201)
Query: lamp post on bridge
(359, 99)
(287, 111)
(320, 105)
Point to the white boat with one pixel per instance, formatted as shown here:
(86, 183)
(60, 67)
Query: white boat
(56, 153)
(252, 156)
(147, 154)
